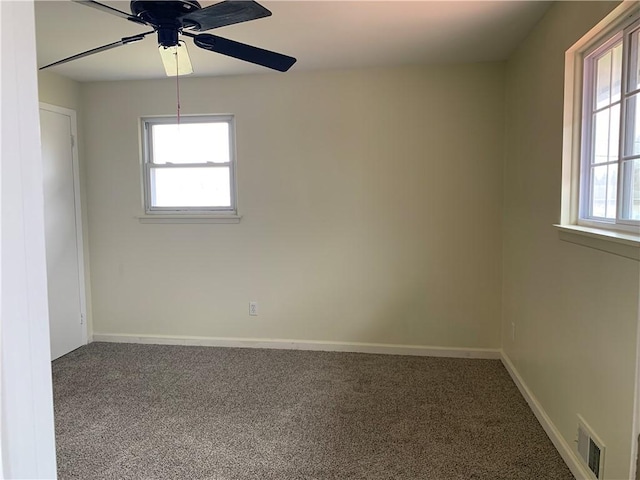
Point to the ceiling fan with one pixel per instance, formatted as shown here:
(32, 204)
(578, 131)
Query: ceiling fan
(172, 18)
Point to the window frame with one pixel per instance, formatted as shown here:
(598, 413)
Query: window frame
(621, 240)
(595, 49)
(147, 165)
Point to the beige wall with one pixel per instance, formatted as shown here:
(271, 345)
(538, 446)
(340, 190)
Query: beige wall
(371, 204)
(63, 92)
(575, 309)
(58, 90)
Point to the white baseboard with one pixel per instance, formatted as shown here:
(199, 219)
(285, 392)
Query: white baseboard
(381, 348)
(566, 452)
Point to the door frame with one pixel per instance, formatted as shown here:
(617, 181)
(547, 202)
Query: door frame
(75, 165)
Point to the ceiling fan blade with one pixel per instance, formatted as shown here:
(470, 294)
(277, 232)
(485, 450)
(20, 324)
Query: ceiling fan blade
(123, 41)
(111, 10)
(242, 51)
(225, 13)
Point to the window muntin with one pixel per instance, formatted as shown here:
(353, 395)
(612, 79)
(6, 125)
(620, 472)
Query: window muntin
(610, 172)
(189, 167)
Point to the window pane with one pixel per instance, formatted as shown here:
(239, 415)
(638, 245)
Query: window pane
(604, 185)
(599, 191)
(612, 188)
(603, 80)
(606, 135)
(190, 187)
(634, 63)
(616, 73)
(191, 143)
(614, 133)
(632, 130)
(631, 188)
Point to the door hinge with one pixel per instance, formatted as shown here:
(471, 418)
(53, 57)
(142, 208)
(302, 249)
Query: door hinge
(73, 141)
(82, 319)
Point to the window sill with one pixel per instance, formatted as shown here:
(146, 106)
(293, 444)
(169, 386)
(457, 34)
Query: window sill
(189, 219)
(619, 243)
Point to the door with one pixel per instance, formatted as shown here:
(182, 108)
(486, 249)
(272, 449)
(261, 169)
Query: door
(63, 240)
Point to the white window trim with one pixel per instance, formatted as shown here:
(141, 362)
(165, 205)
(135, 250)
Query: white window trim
(618, 243)
(184, 218)
(187, 214)
(571, 227)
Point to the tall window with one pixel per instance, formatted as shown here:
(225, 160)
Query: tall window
(610, 163)
(189, 167)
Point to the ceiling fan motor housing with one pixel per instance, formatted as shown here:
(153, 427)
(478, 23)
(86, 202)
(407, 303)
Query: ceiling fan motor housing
(165, 15)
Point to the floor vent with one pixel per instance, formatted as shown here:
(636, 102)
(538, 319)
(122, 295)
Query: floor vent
(590, 449)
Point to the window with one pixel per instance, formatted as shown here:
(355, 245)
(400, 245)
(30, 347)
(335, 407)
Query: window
(610, 153)
(189, 168)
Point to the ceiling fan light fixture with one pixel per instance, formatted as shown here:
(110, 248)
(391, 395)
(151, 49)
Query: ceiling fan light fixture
(179, 54)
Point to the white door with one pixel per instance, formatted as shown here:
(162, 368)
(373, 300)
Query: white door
(62, 230)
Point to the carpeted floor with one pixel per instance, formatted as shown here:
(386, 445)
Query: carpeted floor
(167, 412)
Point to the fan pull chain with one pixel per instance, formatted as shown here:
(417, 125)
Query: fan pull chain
(177, 87)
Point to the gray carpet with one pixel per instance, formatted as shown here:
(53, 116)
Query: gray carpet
(167, 412)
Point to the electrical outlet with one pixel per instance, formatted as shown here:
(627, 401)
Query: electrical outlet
(513, 331)
(253, 308)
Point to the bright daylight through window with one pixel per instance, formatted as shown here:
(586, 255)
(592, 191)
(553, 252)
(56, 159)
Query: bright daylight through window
(610, 159)
(189, 167)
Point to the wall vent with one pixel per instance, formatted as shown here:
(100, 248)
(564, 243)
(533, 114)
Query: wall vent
(590, 449)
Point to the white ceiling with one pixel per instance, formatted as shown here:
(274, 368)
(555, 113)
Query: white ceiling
(321, 34)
